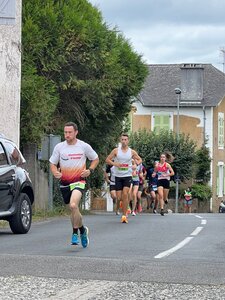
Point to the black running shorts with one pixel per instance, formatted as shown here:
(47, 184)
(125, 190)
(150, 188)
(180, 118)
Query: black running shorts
(112, 187)
(165, 183)
(122, 182)
(66, 191)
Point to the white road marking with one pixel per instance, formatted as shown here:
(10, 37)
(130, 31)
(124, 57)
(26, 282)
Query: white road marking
(177, 247)
(184, 242)
(197, 216)
(197, 230)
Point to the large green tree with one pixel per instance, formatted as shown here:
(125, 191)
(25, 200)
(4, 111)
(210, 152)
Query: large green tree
(76, 68)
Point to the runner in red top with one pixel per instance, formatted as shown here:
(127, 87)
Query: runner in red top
(164, 171)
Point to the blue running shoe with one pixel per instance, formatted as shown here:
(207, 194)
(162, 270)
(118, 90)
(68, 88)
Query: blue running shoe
(84, 238)
(75, 239)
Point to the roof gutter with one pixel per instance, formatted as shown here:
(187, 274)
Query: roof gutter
(140, 99)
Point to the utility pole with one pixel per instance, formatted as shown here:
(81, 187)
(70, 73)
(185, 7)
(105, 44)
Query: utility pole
(178, 93)
(223, 54)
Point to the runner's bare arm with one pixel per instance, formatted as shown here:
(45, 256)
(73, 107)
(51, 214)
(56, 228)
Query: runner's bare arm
(55, 171)
(170, 169)
(106, 177)
(137, 158)
(109, 160)
(93, 165)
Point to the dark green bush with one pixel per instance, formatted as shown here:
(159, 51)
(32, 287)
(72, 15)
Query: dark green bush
(201, 191)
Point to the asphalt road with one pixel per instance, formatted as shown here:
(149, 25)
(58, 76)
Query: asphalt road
(178, 256)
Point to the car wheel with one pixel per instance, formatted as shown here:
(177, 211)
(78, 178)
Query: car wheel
(20, 222)
(220, 210)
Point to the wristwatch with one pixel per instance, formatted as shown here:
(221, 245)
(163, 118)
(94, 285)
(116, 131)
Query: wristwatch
(91, 170)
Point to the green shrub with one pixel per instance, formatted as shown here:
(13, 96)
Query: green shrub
(201, 191)
(150, 144)
(202, 164)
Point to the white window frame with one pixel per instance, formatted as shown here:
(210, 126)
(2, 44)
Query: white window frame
(220, 179)
(7, 12)
(221, 130)
(223, 179)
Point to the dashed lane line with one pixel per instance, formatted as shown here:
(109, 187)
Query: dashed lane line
(197, 230)
(184, 242)
(174, 249)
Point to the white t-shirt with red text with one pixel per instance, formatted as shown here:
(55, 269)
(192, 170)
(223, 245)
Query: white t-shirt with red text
(72, 160)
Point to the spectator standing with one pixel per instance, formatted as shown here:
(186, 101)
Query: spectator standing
(187, 200)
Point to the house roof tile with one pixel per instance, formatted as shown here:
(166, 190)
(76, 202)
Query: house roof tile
(206, 87)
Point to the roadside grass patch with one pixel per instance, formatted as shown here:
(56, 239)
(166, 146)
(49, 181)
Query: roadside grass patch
(41, 215)
(3, 224)
(59, 211)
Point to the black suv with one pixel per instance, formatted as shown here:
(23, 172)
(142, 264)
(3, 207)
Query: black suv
(16, 192)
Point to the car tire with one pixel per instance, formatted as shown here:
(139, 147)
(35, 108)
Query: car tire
(20, 222)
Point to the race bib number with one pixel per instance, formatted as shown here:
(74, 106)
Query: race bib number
(123, 167)
(154, 188)
(135, 178)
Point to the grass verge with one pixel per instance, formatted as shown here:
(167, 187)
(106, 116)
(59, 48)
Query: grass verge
(42, 215)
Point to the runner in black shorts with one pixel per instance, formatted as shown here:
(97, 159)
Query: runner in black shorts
(153, 186)
(121, 158)
(68, 164)
(164, 171)
(109, 174)
(142, 176)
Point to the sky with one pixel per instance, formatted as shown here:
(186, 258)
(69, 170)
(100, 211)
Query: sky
(170, 31)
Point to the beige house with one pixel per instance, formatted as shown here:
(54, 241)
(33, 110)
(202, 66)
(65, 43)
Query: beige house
(201, 109)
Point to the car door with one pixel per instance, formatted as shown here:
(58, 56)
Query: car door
(7, 175)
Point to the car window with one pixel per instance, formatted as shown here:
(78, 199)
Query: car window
(14, 153)
(3, 157)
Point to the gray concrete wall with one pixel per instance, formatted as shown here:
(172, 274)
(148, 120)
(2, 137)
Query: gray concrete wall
(38, 176)
(10, 68)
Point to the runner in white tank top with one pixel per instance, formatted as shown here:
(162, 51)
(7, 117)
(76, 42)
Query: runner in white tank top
(125, 160)
(121, 158)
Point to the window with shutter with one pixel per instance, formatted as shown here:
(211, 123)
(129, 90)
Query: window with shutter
(7, 12)
(217, 180)
(220, 179)
(161, 121)
(221, 130)
(223, 179)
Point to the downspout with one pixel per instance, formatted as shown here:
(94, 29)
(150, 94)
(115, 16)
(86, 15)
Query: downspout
(204, 122)
(204, 144)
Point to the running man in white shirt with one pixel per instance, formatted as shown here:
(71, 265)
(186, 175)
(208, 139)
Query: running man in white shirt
(68, 163)
(121, 158)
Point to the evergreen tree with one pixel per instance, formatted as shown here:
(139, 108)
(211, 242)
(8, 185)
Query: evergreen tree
(75, 68)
